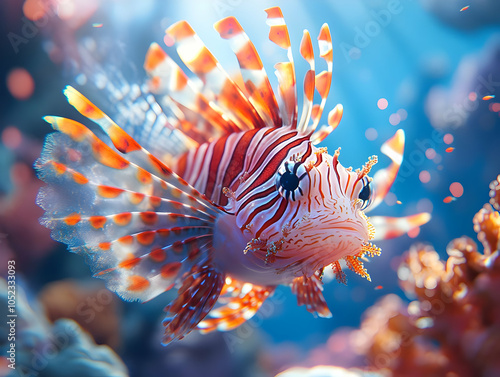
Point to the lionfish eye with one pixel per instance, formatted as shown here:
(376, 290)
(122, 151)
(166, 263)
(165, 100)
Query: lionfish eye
(366, 193)
(290, 180)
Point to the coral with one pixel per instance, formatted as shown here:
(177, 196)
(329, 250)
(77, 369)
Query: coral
(326, 371)
(487, 224)
(21, 234)
(93, 307)
(495, 193)
(61, 349)
(452, 326)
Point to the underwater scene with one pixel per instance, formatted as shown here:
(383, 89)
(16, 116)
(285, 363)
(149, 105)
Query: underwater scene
(250, 188)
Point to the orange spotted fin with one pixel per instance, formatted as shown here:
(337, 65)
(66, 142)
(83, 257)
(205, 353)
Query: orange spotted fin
(196, 297)
(141, 228)
(241, 302)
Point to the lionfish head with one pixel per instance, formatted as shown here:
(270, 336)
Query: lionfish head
(328, 201)
(309, 213)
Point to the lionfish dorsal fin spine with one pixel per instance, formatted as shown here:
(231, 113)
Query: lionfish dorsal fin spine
(334, 118)
(254, 76)
(324, 78)
(306, 50)
(216, 82)
(199, 118)
(285, 71)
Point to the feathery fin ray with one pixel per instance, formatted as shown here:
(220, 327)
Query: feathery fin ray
(140, 227)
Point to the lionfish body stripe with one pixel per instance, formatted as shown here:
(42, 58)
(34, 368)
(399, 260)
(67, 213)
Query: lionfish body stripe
(238, 199)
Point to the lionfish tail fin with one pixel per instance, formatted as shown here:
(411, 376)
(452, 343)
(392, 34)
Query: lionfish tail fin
(141, 227)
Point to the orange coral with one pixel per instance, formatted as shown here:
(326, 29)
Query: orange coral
(495, 193)
(487, 225)
(452, 327)
(96, 310)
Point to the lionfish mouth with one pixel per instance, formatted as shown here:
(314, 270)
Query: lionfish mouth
(355, 258)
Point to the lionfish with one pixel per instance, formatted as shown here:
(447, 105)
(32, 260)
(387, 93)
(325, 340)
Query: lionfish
(239, 201)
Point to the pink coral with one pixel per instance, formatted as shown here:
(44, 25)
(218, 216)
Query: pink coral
(93, 307)
(495, 193)
(452, 327)
(487, 225)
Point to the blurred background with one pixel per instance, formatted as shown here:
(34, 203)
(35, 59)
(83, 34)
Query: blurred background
(429, 67)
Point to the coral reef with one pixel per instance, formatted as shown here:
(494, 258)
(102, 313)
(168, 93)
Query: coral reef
(18, 211)
(452, 326)
(495, 193)
(326, 371)
(61, 349)
(91, 305)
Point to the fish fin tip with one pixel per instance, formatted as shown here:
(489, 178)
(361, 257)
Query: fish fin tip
(309, 293)
(198, 294)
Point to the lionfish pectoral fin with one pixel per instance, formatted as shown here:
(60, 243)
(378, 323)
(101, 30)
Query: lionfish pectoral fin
(198, 294)
(139, 225)
(391, 227)
(309, 293)
(240, 303)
